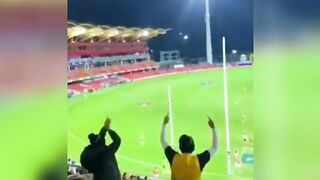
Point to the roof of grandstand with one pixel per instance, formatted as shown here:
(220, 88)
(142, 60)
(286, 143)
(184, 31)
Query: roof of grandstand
(101, 33)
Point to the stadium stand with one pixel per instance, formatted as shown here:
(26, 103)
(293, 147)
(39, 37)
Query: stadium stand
(113, 69)
(94, 57)
(76, 172)
(95, 85)
(90, 80)
(123, 73)
(160, 72)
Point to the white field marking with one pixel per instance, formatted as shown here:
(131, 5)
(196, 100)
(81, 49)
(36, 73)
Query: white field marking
(77, 139)
(189, 71)
(137, 161)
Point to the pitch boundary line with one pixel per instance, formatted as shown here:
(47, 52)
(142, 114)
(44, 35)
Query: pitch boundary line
(186, 72)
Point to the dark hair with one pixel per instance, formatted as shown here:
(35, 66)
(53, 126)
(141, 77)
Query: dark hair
(124, 175)
(186, 144)
(92, 137)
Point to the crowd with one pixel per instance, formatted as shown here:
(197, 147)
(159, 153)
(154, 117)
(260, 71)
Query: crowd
(77, 172)
(126, 176)
(98, 161)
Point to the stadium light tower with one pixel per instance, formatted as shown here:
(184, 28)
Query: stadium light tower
(208, 33)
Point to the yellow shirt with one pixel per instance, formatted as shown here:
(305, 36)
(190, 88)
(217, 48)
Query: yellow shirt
(185, 167)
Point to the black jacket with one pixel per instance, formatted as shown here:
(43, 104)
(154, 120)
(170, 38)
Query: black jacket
(100, 159)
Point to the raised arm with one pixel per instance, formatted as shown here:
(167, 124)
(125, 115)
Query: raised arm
(104, 129)
(116, 141)
(213, 149)
(164, 142)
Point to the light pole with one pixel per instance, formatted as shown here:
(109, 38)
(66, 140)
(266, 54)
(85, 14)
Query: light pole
(208, 33)
(151, 54)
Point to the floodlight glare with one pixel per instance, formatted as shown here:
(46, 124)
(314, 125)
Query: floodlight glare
(145, 33)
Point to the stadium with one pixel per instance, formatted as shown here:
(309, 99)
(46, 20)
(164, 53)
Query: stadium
(111, 73)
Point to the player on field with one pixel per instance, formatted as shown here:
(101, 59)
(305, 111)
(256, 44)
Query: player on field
(155, 173)
(185, 165)
(237, 157)
(141, 140)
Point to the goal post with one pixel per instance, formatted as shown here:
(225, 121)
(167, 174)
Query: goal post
(170, 115)
(226, 107)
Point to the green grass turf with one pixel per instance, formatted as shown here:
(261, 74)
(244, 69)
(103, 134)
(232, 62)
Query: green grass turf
(192, 102)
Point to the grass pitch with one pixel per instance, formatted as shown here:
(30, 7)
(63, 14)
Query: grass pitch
(137, 110)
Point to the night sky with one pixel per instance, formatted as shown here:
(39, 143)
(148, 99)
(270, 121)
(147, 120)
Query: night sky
(230, 18)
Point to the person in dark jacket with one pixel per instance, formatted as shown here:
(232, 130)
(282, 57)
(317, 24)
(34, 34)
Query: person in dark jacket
(99, 158)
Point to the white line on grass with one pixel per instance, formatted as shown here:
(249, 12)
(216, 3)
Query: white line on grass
(77, 139)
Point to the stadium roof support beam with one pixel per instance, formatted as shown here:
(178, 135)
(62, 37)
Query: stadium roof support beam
(87, 32)
(80, 53)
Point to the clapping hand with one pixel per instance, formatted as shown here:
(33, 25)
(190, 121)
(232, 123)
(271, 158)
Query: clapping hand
(107, 123)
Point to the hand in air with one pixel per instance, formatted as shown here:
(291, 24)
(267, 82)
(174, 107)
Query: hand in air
(107, 123)
(166, 119)
(211, 123)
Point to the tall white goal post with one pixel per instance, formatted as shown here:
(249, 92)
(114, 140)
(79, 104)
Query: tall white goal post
(170, 115)
(226, 107)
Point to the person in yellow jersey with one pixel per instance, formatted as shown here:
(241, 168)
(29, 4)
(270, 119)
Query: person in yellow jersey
(185, 165)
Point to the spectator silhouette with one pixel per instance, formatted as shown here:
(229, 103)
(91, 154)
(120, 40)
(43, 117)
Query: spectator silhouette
(99, 158)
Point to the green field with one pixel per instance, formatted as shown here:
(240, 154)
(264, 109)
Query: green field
(137, 109)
